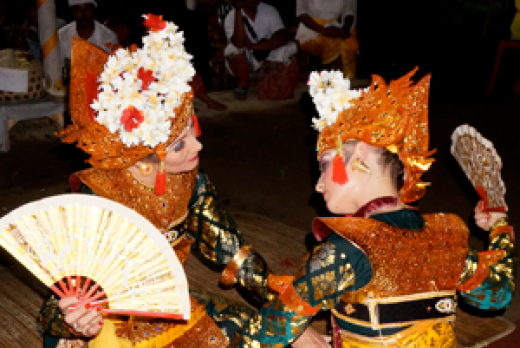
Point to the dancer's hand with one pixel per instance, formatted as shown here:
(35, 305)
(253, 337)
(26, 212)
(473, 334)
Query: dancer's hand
(485, 220)
(80, 317)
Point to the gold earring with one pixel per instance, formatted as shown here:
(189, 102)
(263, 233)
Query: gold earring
(360, 166)
(145, 169)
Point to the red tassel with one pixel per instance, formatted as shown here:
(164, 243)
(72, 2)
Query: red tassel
(160, 180)
(196, 125)
(339, 172)
(160, 183)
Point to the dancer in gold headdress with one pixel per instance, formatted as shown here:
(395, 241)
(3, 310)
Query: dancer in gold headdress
(132, 113)
(388, 274)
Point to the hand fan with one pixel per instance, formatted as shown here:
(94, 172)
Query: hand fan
(481, 164)
(84, 245)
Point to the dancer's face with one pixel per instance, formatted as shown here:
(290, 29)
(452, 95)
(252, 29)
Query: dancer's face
(340, 199)
(183, 153)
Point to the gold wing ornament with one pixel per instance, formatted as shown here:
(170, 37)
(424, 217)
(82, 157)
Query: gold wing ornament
(89, 246)
(482, 165)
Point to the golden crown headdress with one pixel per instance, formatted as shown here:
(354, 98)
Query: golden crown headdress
(393, 116)
(132, 103)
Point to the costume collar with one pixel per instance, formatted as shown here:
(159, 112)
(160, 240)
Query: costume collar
(404, 218)
(376, 204)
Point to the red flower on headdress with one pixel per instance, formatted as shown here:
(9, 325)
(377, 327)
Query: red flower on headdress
(146, 77)
(132, 118)
(154, 22)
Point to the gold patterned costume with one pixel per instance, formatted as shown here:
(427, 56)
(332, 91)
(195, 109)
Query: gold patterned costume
(183, 206)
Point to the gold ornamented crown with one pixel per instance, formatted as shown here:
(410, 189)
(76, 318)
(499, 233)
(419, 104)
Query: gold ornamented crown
(393, 116)
(131, 103)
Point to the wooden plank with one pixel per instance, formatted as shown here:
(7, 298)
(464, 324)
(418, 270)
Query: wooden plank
(473, 332)
(19, 307)
(19, 325)
(19, 293)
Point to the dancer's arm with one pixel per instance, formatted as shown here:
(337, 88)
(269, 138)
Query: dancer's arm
(332, 268)
(488, 281)
(219, 240)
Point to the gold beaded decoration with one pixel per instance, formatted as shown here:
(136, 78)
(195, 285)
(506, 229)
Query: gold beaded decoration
(405, 261)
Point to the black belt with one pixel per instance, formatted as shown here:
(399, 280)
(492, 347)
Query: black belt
(401, 312)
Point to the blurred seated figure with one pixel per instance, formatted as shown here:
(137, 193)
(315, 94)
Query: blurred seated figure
(85, 27)
(259, 42)
(328, 30)
(215, 12)
(121, 29)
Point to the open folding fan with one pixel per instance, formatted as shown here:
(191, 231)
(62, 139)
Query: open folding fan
(481, 164)
(83, 245)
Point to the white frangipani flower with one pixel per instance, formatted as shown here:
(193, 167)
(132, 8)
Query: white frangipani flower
(331, 94)
(155, 96)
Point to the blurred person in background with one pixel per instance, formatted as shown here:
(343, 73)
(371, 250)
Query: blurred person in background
(328, 30)
(86, 27)
(259, 42)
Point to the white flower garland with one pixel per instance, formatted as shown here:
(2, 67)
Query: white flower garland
(331, 94)
(164, 55)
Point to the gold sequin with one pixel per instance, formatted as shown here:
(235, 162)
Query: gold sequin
(115, 185)
(439, 249)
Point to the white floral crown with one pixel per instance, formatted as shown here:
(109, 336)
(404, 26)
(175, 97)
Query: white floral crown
(331, 94)
(140, 89)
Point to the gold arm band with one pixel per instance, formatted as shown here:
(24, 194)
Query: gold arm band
(500, 222)
(229, 275)
(486, 259)
(283, 285)
(502, 230)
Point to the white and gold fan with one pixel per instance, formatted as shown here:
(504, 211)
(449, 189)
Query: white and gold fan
(84, 245)
(482, 165)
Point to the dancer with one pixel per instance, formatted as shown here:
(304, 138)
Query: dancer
(388, 274)
(135, 119)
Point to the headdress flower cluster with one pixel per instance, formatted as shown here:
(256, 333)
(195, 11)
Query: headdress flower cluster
(331, 94)
(140, 88)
